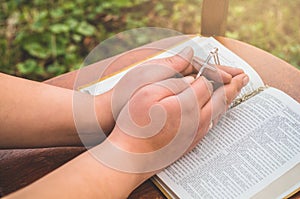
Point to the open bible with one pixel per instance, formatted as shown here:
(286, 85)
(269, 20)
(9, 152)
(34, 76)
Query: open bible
(254, 150)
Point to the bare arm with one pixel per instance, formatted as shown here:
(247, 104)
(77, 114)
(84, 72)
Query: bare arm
(34, 114)
(88, 176)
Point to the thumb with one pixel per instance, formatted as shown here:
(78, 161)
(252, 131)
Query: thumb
(148, 73)
(170, 87)
(179, 62)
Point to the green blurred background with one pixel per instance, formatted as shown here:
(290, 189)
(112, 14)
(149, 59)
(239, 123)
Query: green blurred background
(40, 39)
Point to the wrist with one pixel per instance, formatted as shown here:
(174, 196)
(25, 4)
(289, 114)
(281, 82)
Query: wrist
(115, 176)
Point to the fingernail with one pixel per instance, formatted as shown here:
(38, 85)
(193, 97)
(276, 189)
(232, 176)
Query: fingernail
(245, 80)
(186, 51)
(189, 79)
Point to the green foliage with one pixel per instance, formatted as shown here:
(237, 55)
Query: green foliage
(41, 39)
(272, 25)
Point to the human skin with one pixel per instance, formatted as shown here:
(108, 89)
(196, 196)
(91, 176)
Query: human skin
(32, 111)
(85, 176)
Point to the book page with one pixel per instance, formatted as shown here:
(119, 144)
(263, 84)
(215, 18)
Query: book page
(254, 144)
(108, 83)
(284, 187)
(202, 46)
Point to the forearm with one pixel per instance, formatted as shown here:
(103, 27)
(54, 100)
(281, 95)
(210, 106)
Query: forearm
(83, 177)
(36, 114)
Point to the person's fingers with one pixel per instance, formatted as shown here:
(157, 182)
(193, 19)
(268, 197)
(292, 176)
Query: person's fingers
(177, 63)
(223, 74)
(218, 75)
(147, 100)
(193, 97)
(201, 89)
(224, 96)
(165, 88)
(174, 85)
(190, 70)
(204, 124)
(148, 73)
(185, 107)
(219, 103)
(153, 71)
(233, 89)
(231, 70)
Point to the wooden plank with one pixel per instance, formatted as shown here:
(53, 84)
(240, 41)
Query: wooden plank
(214, 15)
(20, 167)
